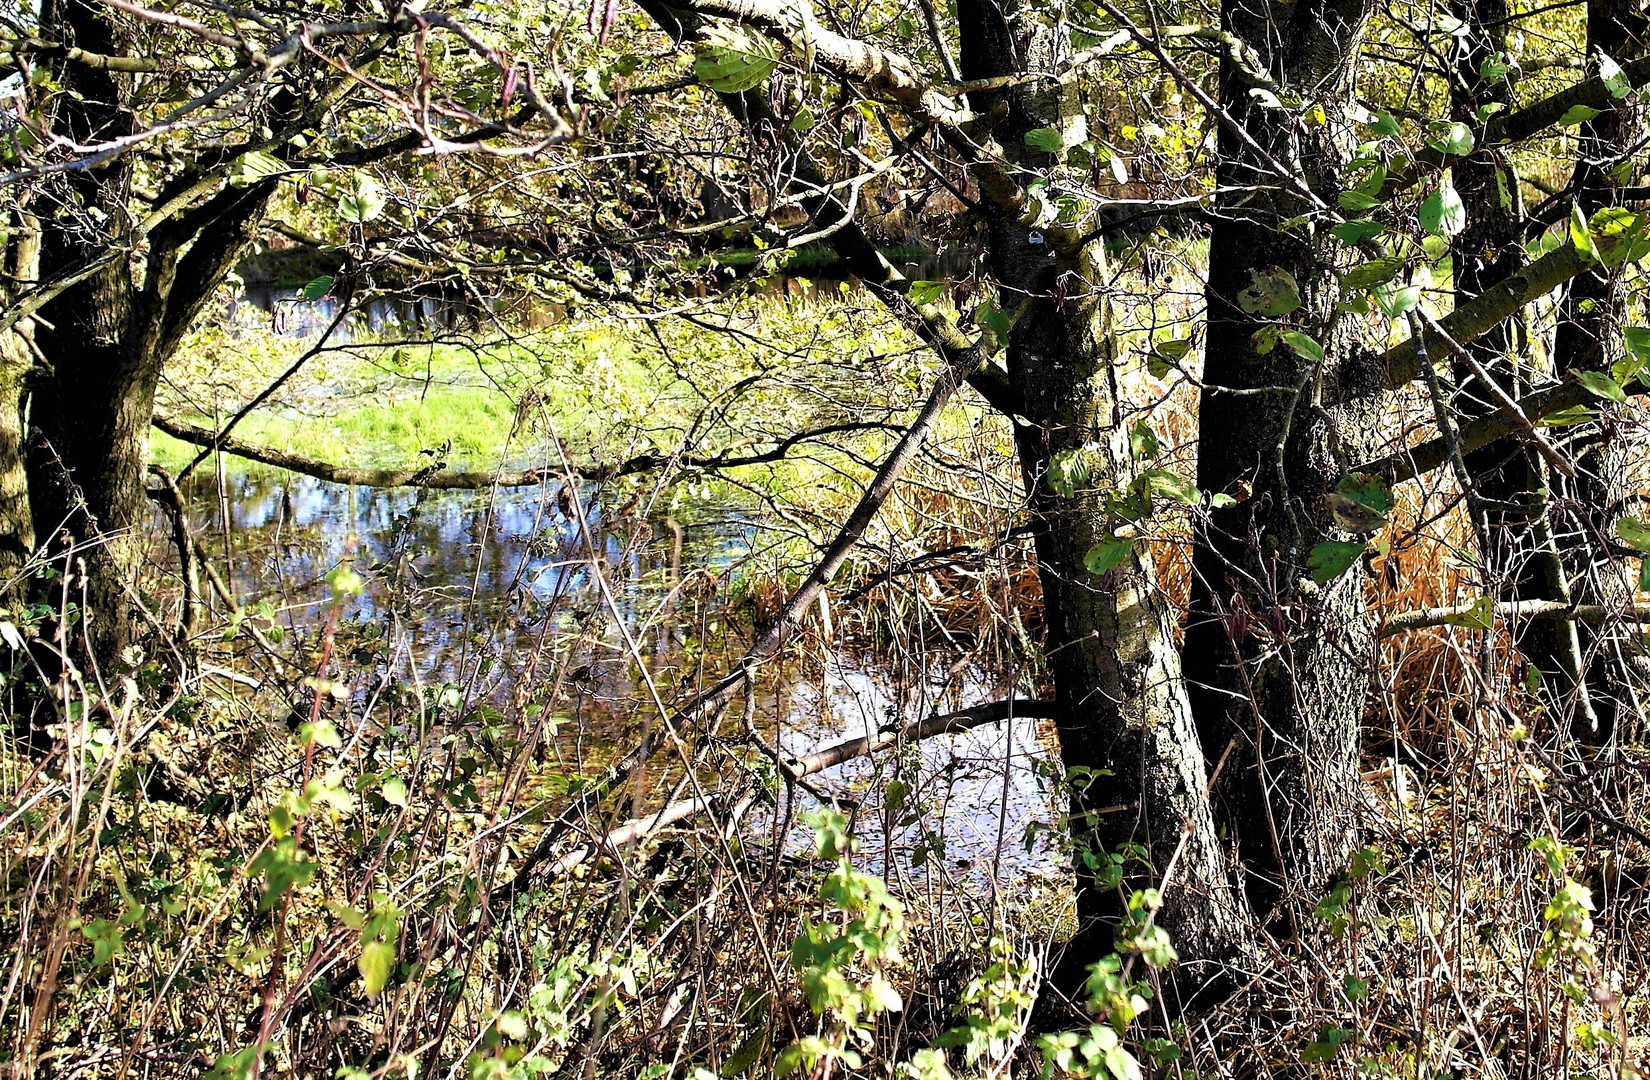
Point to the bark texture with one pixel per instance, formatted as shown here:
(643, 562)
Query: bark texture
(1522, 562)
(21, 270)
(104, 340)
(1121, 709)
(1591, 319)
(1276, 663)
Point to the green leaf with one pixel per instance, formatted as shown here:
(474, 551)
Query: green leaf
(1170, 486)
(1601, 385)
(1634, 533)
(731, 61)
(1637, 340)
(1384, 123)
(1577, 414)
(1357, 201)
(740, 1061)
(994, 318)
(1480, 616)
(1328, 1043)
(1576, 114)
(1142, 440)
(283, 866)
(107, 939)
(1354, 232)
(1332, 558)
(1615, 80)
(1374, 179)
(1395, 300)
(1271, 292)
(1644, 575)
(317, 288)
(1108, 554)
(1454, 139)
(1443, 213)
(377, 961)
(253, 166)
(1360, 502)
(395, 791)
(1165, 355)
(1372, 273)
(1068, 471)
(362, 199)
(1618, 236)
(1121, 1064)
(926, 292)
(1302, 345)
(1046, 139)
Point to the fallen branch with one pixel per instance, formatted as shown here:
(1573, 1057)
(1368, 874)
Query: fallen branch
(1471, 615)
(472, 480)
(641, 828)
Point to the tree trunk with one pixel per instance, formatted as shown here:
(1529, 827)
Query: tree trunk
(1276, 663)
(1591, 318)
(1126, 735)
(22, 268)
(1523, 562)
(105, 340)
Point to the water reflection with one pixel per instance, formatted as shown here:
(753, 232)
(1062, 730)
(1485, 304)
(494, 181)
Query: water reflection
(469, 593)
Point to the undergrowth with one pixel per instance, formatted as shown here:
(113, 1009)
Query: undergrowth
(293, 858)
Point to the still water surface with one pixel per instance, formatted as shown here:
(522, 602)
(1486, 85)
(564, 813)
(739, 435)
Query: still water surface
(464, 587)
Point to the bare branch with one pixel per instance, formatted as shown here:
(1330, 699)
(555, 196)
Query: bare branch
(1472, 614)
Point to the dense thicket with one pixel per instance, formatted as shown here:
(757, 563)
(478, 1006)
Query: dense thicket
(1416, 233)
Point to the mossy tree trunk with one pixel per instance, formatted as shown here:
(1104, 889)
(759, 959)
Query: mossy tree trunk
(103, 341)
(1592, 317)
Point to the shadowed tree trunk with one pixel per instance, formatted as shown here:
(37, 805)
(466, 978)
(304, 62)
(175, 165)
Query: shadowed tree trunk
(1523, 562)
(1592, 316)
(21, 269)
(1126, 734)
(1274, 661)
(103, 341)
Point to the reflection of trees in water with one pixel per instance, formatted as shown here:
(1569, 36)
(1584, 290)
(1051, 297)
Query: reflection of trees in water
(477, 604)
(459, 581)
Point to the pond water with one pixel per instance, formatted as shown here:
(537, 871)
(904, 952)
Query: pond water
(465, 589)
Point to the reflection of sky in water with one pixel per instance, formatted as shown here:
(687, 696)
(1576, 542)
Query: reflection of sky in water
(432, 583)
(277, 309)
(956, 792)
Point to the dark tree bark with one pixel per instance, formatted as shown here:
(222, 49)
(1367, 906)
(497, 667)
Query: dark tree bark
(1120, 702)
(21, 269)
(1522, 562)
(1275, 662)
(103, 341)
(1591, 318)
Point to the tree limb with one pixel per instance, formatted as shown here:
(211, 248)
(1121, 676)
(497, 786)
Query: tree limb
(1454, 614)
(1401, 364)
(1419, 460)
(472, 480)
